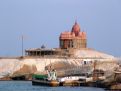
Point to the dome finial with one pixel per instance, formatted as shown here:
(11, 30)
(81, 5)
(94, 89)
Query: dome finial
(76, 28)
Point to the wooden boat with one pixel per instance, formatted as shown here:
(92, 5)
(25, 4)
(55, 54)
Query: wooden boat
(42, 80)
(52, 83)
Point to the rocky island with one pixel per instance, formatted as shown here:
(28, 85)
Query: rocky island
(72, 57)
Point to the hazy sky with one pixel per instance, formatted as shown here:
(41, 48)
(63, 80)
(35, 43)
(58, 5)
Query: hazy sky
(42, 21)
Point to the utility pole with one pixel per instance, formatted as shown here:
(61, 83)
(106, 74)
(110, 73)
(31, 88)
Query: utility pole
(22, 45)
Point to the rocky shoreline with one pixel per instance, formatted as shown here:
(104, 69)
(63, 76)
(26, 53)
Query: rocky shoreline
(22, 69)
(112, 83)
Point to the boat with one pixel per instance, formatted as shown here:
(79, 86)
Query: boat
(69, 81)
(45, 80)
(74, 80)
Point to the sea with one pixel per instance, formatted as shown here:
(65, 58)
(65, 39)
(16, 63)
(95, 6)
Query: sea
(27, 86)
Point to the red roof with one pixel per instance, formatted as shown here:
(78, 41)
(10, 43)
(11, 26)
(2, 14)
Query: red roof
(75, 33)
(66, 35)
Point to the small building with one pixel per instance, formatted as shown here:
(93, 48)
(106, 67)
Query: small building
(41, 52)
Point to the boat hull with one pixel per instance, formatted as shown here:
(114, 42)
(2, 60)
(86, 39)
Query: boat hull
(70, 83)
(52, 83)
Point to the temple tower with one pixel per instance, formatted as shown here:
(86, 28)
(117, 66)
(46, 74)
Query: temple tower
(74, 39)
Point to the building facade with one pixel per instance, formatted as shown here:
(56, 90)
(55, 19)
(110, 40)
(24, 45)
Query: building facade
(74, 39)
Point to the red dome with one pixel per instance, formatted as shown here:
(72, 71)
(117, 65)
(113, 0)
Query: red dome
(76, 29)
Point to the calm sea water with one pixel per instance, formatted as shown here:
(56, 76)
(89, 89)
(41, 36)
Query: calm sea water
(27, 86)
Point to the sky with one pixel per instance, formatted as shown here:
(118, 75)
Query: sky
(42, 21)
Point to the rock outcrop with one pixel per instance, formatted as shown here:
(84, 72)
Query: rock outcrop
(25, 70)
(15, 67)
